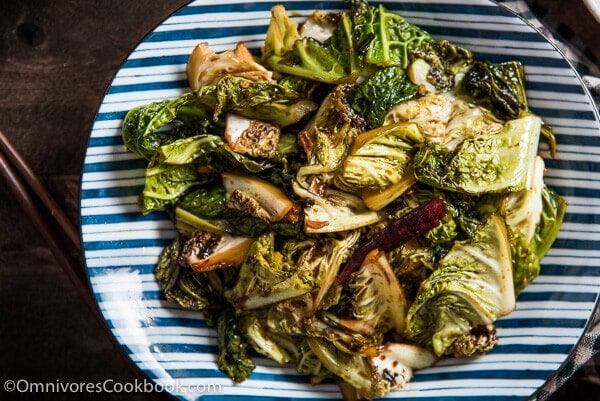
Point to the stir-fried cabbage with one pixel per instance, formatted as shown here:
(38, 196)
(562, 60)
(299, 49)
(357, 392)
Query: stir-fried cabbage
(439, 64)
(378, 158)
(498, 162)
(472, 286)
(375, 96)
(359, 200)
(365, 38)
(375, 297)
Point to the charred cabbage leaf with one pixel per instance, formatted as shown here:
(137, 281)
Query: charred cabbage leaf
(554, 208)
(528, 251)
(333, 210)
(393, 367)
(286, 51)
(273, 274)
(206, 251)
(269, 275)
(472, 286)
(145, 128)
(283, 103)
(262, 328)
(373, 376)
(282, 33)
(443, 62)
(179, 284)
(280, 347)
(501, 88)
(526, 265)
(206, 208)
(342, 334)
(444, 119)
(375, 297)
(478, 341)
(524, 208)
(204, 292)
(329, 135)
(351, 368)
(164, 185)
(323, 259)
(205, 67)
(386, 37)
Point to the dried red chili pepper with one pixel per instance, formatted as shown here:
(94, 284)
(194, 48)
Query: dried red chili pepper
(397, 232)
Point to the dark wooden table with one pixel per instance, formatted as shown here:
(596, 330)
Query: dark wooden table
(56, 60)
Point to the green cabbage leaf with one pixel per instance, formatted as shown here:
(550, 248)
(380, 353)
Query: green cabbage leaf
(471, 287)
(365, 37)
(485, 163)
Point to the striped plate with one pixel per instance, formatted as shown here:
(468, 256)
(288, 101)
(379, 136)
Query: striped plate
(176, 348)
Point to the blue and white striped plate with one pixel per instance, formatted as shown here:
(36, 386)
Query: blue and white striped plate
(176, 348)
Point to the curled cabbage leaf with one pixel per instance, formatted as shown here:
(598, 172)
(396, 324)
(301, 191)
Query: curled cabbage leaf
(378, 158)
(272, 274)
(327, 138)
(375, 96)
(375, 296)
(333, 210)
(205, 67)
(472, 286)
(375, 375)
(444, 119)
(484, 163)
(268, 276)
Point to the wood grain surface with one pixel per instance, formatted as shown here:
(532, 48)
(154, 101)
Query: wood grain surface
(56, 60)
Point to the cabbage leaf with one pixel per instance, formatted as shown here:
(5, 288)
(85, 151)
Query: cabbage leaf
(201, 111)
(472, 286)
(273, 273)
(173, 170)
(365, 37)
(378, 158)
(375, 96)
(445, 63)
(486, 163)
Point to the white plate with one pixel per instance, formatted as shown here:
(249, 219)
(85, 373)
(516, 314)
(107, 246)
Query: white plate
(177, 349)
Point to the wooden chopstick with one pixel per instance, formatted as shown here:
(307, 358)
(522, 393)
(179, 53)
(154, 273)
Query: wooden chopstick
(72, 268)
(13, 156)
(64, 256)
